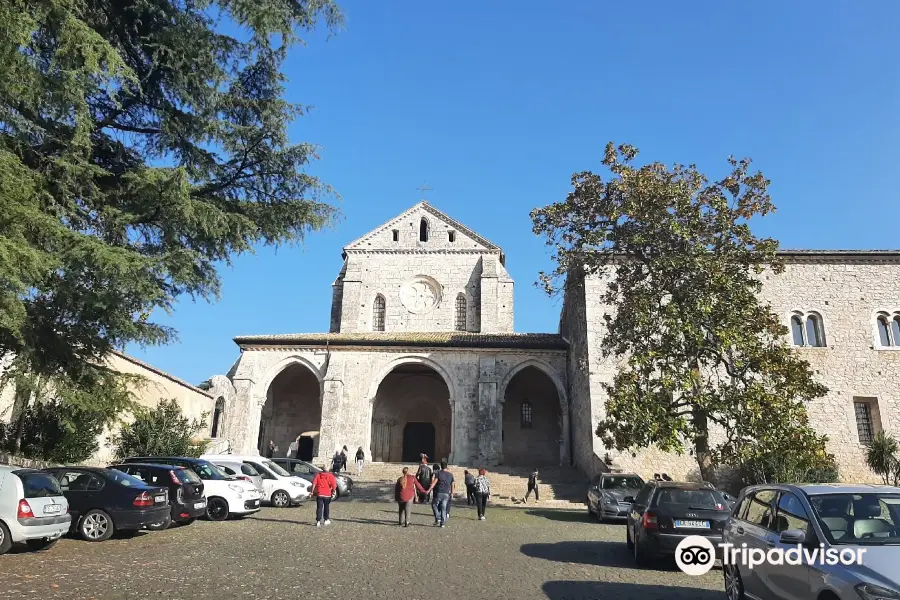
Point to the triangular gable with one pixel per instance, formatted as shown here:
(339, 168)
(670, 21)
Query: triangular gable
(407, 226)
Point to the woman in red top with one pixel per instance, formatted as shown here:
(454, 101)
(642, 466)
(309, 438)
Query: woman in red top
(323, 484)
(404, 493)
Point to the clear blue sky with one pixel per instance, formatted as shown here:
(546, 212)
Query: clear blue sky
(495, 104)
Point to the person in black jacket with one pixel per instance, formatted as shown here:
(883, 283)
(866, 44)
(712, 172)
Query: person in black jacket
(360, 460)
(343, 459)
(470, 487)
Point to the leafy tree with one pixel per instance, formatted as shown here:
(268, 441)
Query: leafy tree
(696, 346)
(160, 431)
(883, 458)
(141, 145)
(50, 432)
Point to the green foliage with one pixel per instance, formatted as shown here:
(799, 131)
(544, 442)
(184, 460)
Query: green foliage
(696, 347)
(160, 431)
(141, 145)
(53, 433)
(883, 457)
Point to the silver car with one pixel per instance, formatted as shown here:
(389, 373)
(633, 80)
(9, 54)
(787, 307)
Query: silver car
(241, 470)
(32, 509)
(840, 518)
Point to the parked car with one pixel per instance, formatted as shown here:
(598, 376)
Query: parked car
(279, 488)
(606, 495)
(225, 496)
(33, 509)
(307, 471)
(103, 501)
(243, 471)
(838, 517)
(665, 512)
(186, 499)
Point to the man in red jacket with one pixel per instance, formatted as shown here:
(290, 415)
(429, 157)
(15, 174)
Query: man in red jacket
(323, 485)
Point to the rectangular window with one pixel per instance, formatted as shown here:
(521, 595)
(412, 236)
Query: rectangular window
(451, 235)
(864, 423)
(395, 235)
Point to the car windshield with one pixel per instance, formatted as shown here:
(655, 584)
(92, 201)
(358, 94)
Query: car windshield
(275, 468)
(124, 478)
(207, 470)
(186, 476)
(701, 499)
(621, 483)
(858, 518)
(38, 485)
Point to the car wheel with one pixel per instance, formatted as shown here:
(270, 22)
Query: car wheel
(5, 539)
(216, 509)
(280, 499)
(96, 526)
(41, 544)
(628, 541)
(334, 494)
(734, 585)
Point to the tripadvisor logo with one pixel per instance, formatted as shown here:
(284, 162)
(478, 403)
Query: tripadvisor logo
(695, 555)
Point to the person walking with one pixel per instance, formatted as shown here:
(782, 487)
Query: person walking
(404, 493)
(470, 487)
(343, 459)
(360, 460)
(424, 475)
(323, 486)
(482, 492)
(533, 487)
(270, 450)
(442, 487)
(294, 448)
(336, 462)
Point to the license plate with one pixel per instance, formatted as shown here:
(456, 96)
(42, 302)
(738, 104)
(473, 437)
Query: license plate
(256, 503)
(692, 524)
(199, 504)
(161, 498)
(52, 509)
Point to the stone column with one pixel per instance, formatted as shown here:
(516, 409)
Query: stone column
(490, 413)
(247, 414)
(329, 433)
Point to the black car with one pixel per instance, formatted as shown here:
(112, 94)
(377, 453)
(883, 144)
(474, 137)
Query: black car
(607, 493)
(307, 471)
(665, 512)
(103, 501)
(186, 499)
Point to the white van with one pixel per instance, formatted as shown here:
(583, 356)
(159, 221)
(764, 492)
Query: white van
(280, 489)
(32, 509)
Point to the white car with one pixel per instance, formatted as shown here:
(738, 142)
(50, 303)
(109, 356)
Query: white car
(225, 496)
(32, 509)
(280, 489)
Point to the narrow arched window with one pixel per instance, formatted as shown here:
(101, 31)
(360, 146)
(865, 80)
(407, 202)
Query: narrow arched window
(884, 338)
(797, 330)
(423, 230)
(895, 330)
(460, 317)
(526, 414)
(815, 334)
(218, 420)
(378, 310)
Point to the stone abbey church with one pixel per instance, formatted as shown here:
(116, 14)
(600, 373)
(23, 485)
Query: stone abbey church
(421, 356)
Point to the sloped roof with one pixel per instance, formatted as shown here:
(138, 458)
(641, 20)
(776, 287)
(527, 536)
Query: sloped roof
(434, 212)
(450, 339)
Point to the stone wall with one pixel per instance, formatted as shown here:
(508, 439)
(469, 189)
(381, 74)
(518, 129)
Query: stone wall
(351, 379)
(536, 442)
(846, 290)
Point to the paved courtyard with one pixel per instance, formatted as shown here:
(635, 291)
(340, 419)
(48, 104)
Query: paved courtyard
(519, 554)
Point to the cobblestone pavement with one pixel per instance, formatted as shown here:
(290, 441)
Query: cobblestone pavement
(516, 553)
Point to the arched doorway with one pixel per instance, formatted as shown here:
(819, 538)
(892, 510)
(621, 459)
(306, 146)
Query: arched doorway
(411, 415)
(293, 408)
(532, 420)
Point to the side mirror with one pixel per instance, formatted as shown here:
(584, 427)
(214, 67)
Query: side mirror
(596, 488)
(628, 499)
(792, 536)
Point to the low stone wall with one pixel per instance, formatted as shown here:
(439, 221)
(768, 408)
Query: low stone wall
(21, 461)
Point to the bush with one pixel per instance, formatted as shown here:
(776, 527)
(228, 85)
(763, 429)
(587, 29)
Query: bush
(55, 432)
(882, 457)
(160, 431)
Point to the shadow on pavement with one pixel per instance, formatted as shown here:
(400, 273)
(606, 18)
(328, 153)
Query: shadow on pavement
(608, 590)
(594, 553)
(560, 514)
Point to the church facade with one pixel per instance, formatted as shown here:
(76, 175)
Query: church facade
(421, 356)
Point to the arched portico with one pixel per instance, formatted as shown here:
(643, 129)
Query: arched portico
(534, 428)
(292, 407)
(412, 411)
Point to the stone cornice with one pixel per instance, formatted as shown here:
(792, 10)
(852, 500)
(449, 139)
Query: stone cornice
(560, 352)
(424, 251)
(841, 256)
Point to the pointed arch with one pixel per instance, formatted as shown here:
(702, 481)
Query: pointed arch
(379, 309)
(424, 230)
(460, 319)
